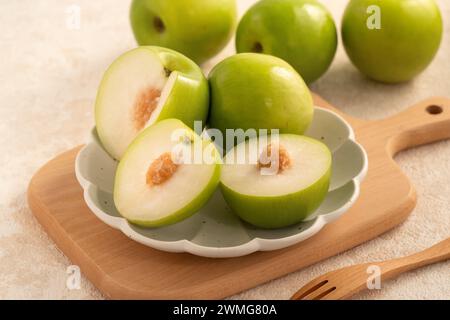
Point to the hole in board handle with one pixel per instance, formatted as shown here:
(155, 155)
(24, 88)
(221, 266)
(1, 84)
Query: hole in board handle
(434, 109)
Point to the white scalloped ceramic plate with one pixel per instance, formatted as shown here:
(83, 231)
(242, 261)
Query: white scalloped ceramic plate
(214, 231)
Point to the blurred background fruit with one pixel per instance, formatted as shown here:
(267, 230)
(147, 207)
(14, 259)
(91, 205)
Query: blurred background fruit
(397, 47)
(197, 28)
(302, 32)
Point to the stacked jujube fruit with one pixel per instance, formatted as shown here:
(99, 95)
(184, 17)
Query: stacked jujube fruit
(147, 106)
(152, 98)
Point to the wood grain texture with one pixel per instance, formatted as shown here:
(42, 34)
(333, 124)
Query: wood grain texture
(346, 282)
(124, 269)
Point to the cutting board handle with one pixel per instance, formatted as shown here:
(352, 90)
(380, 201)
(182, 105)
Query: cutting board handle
(426, 122)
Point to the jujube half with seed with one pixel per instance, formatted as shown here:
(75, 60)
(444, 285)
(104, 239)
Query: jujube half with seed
(144, 86)
(274, 185)
(167, 174)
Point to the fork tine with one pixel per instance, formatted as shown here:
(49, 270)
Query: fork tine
(325, 292)
(319, 293)
(309, 288)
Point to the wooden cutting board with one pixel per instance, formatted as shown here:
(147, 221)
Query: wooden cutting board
(124, 269)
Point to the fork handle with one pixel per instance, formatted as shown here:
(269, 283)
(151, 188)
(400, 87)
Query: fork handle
(437, 253)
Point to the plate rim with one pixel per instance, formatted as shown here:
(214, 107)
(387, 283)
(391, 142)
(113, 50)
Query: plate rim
(254, 245)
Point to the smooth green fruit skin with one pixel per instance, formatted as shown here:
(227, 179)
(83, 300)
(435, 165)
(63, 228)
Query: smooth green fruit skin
(302, 32)
(190, 209)
(279, 211)
(197, 28)
(409, 38)
(257, 91)
(189, 97)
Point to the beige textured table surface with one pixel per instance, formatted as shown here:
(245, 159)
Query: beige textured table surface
(49, 74)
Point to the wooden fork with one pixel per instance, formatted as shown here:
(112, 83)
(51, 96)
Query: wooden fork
(344, 283)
